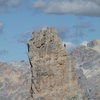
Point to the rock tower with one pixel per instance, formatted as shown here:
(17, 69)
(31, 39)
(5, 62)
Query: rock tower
(53, 77)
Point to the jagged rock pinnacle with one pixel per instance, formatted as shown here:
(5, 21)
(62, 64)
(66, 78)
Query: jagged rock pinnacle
(53, 77)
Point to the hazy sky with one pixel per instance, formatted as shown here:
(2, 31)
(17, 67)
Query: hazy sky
(76, 20)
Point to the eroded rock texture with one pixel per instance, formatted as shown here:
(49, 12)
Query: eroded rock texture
(86, 61)
(53, 77)
(14, 81)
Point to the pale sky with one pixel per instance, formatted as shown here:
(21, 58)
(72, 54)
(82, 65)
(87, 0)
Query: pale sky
(76, 20)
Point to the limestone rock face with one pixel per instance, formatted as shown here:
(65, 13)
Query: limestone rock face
(53, 77)
(95, 45)
(14, 81)
(87, 59)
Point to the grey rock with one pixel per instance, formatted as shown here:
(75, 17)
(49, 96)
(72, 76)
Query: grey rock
(14, 81)
(86, 61)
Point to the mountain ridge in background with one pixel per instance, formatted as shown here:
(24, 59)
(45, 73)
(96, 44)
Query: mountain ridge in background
(16, 77)
(14, 80)
(86, 61)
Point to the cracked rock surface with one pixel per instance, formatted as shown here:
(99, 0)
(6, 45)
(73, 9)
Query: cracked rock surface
(14, 81)
(86, 61)
(53, 77)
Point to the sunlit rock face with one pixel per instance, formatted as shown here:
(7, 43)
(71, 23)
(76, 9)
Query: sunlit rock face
(14, 81)
(86, 61)
(53, 77)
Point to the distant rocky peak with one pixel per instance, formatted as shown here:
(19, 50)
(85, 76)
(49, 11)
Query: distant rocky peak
(95, 45)
(86, 61)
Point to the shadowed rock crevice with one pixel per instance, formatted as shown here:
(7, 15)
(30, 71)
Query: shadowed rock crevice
(53, 77)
